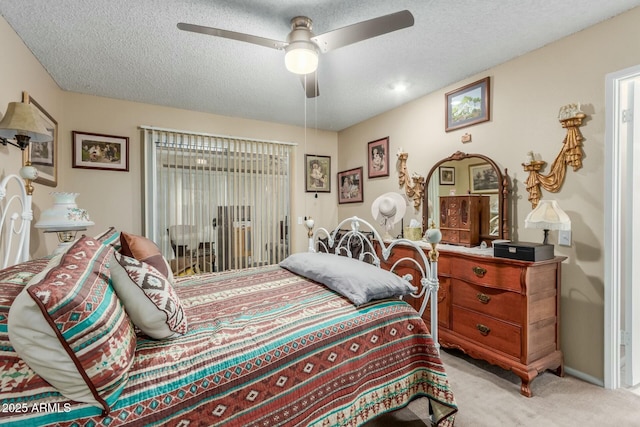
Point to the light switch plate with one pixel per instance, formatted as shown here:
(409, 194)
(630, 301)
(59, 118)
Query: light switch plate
(564, 237)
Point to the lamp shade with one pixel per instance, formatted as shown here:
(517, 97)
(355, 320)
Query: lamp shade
(548, 216)
(64, 215)
(24, 119)
(301, 57)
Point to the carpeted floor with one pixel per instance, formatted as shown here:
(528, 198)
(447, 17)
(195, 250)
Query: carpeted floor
(490, 396)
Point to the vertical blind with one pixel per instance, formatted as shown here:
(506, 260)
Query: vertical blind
(216, 203)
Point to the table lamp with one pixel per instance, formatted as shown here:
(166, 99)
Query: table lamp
(64, 218)
(548, 216)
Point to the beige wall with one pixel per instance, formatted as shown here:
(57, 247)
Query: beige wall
(114, 198)
(526, 95)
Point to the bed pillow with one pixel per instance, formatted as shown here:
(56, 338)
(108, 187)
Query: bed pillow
(356, 280)
(148, 297)
(143, 249)
(68, 325)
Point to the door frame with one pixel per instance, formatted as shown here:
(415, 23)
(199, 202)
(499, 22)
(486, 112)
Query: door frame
(617, 224)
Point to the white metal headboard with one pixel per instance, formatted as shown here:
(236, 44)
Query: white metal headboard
(348, 235)
(15, 221)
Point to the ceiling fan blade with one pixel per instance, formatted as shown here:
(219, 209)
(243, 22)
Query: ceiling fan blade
(261, 41)
(363, 30)
(310, 84)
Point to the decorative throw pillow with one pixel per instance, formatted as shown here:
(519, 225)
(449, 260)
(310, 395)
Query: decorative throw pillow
(356, 280)
(69, 326)
(143, 249)
(148, 297)
(110, 236)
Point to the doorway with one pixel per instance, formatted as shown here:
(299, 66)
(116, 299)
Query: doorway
(622, 229)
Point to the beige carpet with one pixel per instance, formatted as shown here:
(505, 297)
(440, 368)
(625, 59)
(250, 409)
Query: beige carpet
(490, 396)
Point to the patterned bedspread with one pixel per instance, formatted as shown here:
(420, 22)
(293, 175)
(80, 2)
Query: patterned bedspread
(265, 348)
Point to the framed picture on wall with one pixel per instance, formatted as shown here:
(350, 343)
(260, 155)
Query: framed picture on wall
(317, 172)
(467, 105)
(99, 151)
(43, 155)
(483, 178)
(447, 175)
(378, 157)
(350, 186)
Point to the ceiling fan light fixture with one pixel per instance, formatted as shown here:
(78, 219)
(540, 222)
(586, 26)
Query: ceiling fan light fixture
(301, 57)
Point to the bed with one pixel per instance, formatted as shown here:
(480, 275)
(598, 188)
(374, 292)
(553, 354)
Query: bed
(263, 346)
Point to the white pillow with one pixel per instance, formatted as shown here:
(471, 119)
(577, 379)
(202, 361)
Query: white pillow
(354, 279)
(148, 297)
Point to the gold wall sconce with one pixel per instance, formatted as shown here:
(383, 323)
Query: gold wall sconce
(413, 185)
(570, 118)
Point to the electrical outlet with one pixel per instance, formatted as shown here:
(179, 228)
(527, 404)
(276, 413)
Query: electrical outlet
(299, 220)
(564, 237)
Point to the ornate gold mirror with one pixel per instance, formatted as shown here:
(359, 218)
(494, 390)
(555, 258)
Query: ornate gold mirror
(466, 196)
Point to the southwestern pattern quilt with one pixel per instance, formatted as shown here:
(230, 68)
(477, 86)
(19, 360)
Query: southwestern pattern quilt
(265, 347)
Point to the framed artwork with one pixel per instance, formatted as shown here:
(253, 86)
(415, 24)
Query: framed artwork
(98, 151)
(378, 157)
(350, 182)
(467, 105)
(447, 175)
(317, 173)
(483, 178)
(43, 155)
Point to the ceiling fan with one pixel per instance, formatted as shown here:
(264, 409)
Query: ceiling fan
(302, 46)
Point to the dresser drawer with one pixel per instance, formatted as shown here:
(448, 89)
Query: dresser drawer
(488, 331)
(499, 276)
(504, 305)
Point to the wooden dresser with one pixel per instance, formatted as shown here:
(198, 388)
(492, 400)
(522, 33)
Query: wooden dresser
(504, 311)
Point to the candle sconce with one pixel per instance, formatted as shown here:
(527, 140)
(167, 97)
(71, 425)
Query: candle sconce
(570, 118)
(413, 186)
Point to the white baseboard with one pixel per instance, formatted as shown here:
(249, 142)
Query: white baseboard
(584, 377)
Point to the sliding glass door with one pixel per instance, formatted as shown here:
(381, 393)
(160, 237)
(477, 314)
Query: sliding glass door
(216, 203)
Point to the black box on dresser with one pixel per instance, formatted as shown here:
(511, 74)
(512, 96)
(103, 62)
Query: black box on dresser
(523, 251)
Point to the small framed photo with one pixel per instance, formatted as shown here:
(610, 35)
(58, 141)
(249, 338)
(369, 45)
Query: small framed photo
(467, 105)
(43, 155)
(483, 178)
(350, 182)
(447, 175)
(317, 172)
(378, 157)
(99, 151)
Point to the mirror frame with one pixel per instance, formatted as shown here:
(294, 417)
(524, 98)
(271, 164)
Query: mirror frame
(503, 193)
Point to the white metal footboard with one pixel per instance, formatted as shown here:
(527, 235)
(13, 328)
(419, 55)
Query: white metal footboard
(348, 234)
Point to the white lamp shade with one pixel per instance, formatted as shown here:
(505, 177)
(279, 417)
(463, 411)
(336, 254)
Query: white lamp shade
(301, 57)
(548, 216)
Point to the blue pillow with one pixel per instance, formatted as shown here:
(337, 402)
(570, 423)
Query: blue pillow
(358, 281)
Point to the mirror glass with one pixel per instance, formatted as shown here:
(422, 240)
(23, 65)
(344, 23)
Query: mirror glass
(479, 216)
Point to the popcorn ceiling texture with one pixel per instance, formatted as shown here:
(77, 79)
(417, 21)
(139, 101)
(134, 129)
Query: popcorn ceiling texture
(132, 50)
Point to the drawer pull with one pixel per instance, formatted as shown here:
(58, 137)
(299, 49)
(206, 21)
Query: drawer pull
(483, 298)
(484, 330)
(479, 271)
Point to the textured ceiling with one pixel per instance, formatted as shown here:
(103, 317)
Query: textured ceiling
(132, 50)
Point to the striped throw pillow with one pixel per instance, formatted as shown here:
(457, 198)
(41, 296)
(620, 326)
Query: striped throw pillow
(70, 327)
